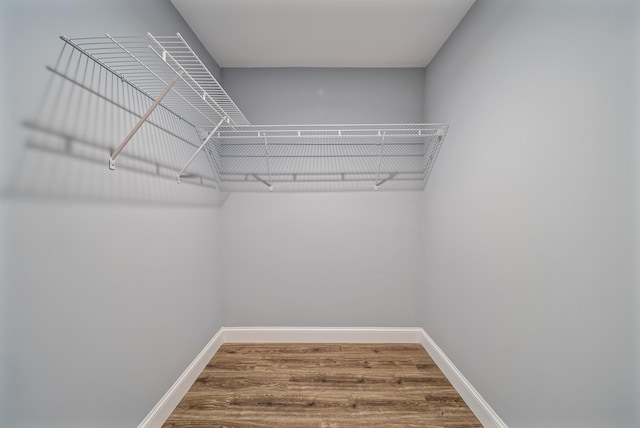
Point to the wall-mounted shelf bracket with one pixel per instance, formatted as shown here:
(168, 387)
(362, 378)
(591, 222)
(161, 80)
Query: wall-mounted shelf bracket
(204, 143)
(378, 183)
(143, 119)
(266, 153)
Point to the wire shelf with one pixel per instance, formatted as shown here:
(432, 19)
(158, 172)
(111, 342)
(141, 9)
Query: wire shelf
(243, 157)
(151, 62)
(335, 157)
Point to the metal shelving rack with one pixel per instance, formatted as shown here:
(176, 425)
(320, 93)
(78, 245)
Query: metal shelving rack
(247, 157)
(328, 157)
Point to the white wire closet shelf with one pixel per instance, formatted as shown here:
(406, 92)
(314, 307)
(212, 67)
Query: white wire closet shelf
(245, 157)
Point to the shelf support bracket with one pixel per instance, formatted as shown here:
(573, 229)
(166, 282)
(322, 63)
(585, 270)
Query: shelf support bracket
(143, 119)
(375, 186)
(204, 143)
(266, 152)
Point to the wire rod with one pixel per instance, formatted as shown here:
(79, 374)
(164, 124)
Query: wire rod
(375, 185)
(204, 143)
(266, 153)
(116, 152)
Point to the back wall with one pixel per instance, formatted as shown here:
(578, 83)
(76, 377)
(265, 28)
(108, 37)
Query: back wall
(323, 259)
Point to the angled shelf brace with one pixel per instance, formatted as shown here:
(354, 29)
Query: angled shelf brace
(266, 158)
(377, 183)
(143, 119)
(204, 143)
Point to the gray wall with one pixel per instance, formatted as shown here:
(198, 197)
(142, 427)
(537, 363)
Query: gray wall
(637, 157)
(105, 303)
(637, 249)
(109, 306)
(325, 259)
(530, 210)
(327, 95)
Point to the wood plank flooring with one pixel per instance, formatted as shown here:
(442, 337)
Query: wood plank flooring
(321, 386)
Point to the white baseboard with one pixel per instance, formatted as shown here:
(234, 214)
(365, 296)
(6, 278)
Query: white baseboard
(161, 411)
(474, 400)
(321, 335)
(485, 414)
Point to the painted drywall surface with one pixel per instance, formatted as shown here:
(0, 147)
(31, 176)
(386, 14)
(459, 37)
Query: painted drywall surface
(4, 331)
(111, 305)
(326, 259)
(5, 343)
(106, 302)
(529, 212)
(637, 249)
(323, 259)
(279, 96)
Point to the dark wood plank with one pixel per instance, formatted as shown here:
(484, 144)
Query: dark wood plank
(321, 386)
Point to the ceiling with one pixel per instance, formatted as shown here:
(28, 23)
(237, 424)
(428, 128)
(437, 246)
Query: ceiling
(323, 33)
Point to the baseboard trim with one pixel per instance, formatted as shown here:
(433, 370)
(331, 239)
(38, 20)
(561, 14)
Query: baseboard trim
(474, 400)
(485, 414)
(170, 400)
(321, 335)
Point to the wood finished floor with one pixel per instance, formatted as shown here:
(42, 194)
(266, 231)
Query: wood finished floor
(321, 386)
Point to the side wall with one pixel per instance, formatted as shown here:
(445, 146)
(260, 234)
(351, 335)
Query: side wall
(104, 303)
(109, 304)
(530, 211)
(637, 165)
(325, 259)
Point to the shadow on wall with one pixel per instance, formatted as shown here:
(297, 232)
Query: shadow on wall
(85, 112)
